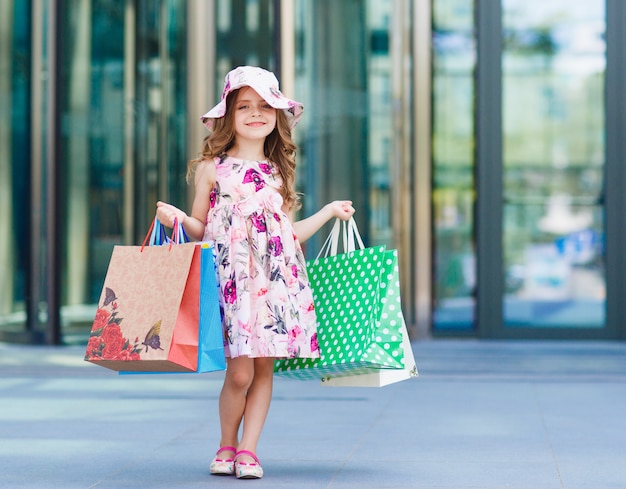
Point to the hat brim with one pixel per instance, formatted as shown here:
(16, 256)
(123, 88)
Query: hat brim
(292, 109)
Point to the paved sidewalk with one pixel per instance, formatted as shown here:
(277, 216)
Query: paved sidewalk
(482, 415)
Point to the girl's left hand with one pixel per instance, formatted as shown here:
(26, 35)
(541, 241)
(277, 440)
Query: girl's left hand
(342, 209)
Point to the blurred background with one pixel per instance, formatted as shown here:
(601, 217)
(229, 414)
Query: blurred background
(482, 139)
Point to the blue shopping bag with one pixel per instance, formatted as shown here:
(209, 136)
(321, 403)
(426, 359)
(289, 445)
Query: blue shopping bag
(211, 341)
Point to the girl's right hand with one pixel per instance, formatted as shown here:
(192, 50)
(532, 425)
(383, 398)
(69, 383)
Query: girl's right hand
(167, 213)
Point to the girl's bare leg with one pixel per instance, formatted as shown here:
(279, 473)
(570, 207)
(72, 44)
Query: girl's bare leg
(257, 403)
(232, 403)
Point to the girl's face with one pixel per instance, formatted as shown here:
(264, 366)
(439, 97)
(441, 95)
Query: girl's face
(254, 118)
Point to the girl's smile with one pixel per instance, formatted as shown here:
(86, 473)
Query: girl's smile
(254, 117)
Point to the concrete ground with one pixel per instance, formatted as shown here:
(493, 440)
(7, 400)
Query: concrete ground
(482, 415)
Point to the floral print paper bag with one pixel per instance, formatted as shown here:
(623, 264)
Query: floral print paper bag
(148, 314)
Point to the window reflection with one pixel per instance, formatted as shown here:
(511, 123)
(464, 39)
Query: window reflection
(92, 148)
(15, 153)
(379, 141)
(453, 165)
(553, 79)
(102, 183)
(345, 133)
(246, 35)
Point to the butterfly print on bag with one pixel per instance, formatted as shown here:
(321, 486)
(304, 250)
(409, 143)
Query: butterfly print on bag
(153, 338)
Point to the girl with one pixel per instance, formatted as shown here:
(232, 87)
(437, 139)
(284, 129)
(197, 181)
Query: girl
(244, 197)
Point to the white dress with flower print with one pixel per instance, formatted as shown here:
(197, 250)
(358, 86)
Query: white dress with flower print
(266, 300)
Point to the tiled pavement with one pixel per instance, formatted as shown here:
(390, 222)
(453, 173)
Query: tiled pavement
(482, 415)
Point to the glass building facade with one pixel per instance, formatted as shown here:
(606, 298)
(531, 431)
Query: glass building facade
(484, 142)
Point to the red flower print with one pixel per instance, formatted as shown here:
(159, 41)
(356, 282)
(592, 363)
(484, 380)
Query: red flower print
(265, 168)
(102, 318)
(113, 341)
(107, 340)
(127, 355)
(94, 347)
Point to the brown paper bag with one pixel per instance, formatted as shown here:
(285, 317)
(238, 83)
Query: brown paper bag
(147, 317)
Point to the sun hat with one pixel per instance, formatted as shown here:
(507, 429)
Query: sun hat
(262, 82)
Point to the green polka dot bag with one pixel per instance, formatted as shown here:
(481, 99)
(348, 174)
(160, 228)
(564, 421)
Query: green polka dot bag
(390, 319)
(360, 325)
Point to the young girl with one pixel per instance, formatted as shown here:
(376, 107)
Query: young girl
(244, 200)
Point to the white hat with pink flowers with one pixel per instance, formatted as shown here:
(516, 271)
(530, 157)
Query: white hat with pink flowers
(262, 82)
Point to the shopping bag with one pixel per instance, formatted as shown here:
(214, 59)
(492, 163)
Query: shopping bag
(391, 315)
(347, 293)
(211, 341)
(148, 313)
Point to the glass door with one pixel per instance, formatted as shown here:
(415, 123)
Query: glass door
(123, 144)
(454, 259)
(553, 150)
(528, 202)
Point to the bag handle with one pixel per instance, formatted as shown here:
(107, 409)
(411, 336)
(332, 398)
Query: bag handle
(179, 236)
(353, 232)
(344, 231)
(157, 236)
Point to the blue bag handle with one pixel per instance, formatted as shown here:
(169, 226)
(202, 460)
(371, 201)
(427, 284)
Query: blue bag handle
(157, 236)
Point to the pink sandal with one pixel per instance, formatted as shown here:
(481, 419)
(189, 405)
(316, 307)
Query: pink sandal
(248, 470)
(223, 466)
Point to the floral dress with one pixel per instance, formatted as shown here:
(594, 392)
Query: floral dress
(266, 300)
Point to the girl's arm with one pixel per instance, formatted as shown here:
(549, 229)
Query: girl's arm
(194, 224)
(306, 228)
